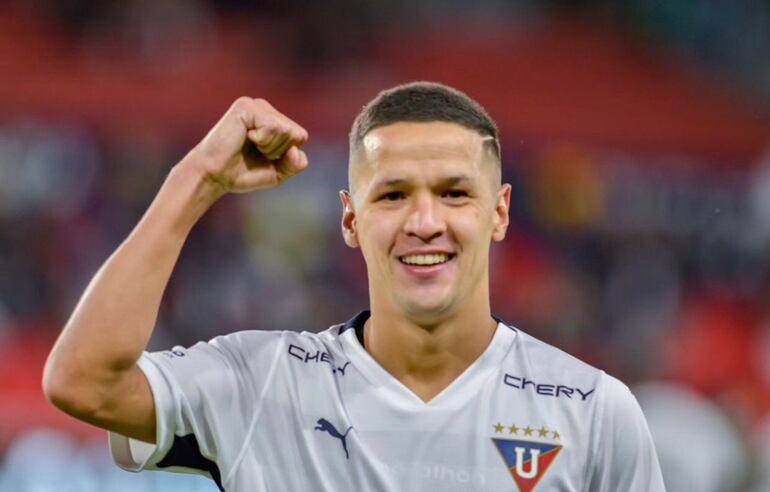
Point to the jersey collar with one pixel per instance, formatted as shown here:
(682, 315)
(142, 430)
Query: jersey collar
(461, 389)
(358, 321)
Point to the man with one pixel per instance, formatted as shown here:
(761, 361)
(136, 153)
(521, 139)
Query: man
(426, 391)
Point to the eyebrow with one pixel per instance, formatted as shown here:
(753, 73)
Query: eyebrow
(389, 183)
(448, 181)
(455, 180)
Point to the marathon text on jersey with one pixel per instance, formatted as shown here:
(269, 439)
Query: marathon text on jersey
(553, 390)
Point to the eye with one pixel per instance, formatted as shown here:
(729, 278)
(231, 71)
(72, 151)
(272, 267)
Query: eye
(392, 196)
(455, 194)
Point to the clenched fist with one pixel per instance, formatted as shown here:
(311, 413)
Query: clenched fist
(252, 146)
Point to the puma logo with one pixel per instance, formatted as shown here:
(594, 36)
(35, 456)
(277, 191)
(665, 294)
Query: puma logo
(326, 426)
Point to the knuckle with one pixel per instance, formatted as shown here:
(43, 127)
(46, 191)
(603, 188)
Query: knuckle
(286, 131)
(268, 130)
(261, 103)
(297, 134)
(242, 102)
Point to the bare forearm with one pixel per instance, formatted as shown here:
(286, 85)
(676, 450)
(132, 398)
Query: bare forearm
(92, 372)
(113, 321)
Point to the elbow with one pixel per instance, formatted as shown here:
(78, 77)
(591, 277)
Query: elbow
(51, 384)
(63, 392)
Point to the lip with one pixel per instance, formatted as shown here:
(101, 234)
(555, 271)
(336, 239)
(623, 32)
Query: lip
(425, 252)
(427, 271)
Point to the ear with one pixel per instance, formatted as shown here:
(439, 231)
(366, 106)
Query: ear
(501, 213)
(348, 220)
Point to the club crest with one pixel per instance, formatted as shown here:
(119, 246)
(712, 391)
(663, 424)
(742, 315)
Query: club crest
(527, 460)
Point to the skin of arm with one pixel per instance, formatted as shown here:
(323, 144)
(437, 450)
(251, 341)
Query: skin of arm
(91, 372)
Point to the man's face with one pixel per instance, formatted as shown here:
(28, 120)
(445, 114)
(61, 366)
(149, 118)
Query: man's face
(426, 202)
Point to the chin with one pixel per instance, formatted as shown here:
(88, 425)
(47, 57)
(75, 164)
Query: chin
(427, 312)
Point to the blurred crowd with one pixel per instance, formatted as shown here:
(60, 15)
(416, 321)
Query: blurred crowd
(653, 265)
(729, 40)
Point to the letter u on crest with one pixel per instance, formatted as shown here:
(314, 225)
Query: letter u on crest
(532, 473)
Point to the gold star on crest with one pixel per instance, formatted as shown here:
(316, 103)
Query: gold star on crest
(513, 429)
(528, 431)
(556, 435)
(499, 428)
(542, 432)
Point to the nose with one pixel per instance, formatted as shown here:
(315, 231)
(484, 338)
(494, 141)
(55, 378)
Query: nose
(424, 221)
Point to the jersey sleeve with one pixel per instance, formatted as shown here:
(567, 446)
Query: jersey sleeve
(625, 457)
(205, 399)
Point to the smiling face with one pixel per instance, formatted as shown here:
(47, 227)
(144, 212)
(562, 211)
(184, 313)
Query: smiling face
(426, 202)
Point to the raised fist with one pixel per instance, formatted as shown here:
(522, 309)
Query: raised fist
(252, 146)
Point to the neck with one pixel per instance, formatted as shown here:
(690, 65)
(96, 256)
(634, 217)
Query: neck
(427, 357)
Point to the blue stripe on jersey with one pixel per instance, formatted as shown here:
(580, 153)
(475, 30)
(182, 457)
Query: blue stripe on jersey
(500, 320)
(186, 452)
(357, 321)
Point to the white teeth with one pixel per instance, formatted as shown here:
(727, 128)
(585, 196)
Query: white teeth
(433, 259)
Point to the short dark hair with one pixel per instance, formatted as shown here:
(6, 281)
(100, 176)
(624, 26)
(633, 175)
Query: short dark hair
(423, 102)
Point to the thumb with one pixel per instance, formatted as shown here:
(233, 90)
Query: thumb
(293, 161)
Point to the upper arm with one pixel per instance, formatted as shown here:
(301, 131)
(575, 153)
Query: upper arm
(121, 402)
(131, 410)
(202, 397)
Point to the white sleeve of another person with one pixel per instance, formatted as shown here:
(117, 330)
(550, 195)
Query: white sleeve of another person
(205, 399)
(625, 457)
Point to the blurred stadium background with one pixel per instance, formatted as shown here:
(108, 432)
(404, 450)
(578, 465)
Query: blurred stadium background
(636, 136)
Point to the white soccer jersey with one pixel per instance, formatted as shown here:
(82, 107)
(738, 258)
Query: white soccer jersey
(285, 411)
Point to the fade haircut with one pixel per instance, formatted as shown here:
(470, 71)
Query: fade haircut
(423, 102)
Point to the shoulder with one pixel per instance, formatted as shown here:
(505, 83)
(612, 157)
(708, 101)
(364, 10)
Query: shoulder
(254, 342)
(257, 348)
(547, 364)
(536, 366)
(245, 349)
(543, 364)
